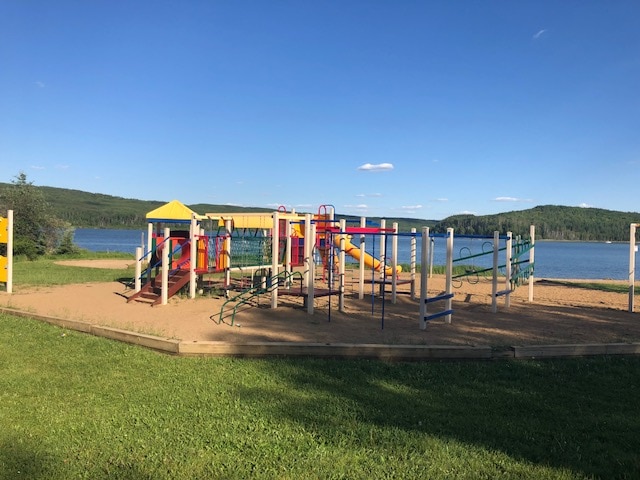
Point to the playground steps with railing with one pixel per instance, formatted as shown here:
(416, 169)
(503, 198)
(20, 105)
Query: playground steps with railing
(151, 292)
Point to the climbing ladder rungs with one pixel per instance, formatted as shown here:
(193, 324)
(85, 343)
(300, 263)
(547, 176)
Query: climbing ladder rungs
(437, 315)
(437, 298)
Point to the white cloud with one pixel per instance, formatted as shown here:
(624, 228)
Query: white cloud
(411, 207)
(37, 167)
(39, 84)
(538, 34)
(585, 205)
(375, 195)
(361, 206)
(62, 167)
(466, 212)
(442, 199)
(380, 167)
(511, 199)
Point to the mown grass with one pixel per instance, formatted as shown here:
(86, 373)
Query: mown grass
(76, 406)
(603, 287)
(45, 271)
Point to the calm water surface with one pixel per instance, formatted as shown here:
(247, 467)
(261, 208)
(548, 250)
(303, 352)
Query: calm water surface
(589, 260)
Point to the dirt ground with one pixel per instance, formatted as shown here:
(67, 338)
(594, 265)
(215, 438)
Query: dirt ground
(558, 315)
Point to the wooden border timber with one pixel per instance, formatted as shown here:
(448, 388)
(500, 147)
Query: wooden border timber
(335, 350)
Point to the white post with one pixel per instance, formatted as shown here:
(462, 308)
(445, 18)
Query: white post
(287, 254)
(312, 271)
(383, 250)
(149, 241)
(308, 249)
(363, 224)
(507, 281)
(9, 251)
(193, 257)
(226, 252)
(341, 266)
(494, 280)
(275, 244)
(532, 236)
(165, 267)
(633, 248)
(449, 279)
(433, 241)
(138, 282)
(394, 264)
(413, 264)
(424, 277)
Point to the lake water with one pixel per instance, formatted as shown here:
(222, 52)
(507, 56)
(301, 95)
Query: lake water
(588, 260)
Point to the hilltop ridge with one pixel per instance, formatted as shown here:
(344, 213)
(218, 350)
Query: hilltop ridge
(554, 222)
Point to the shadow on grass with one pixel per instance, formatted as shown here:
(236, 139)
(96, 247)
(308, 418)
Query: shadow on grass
(581, 415)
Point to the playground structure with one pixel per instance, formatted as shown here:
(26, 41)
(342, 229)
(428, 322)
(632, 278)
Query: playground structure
(256, 254)
(284, 253)
(6, 251)
(270, 254)
(518, 267)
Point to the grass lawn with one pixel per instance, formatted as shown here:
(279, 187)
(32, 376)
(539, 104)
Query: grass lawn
(77, 406)
(45, 271)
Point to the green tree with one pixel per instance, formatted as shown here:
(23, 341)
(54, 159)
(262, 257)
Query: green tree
(36, 230)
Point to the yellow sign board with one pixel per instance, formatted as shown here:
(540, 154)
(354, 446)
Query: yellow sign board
(4, 230)
(3, 269)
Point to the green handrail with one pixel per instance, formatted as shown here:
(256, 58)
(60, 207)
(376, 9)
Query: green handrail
(253, 292)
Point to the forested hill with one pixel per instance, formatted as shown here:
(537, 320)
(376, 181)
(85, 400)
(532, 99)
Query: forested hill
(94, 210)
(552, 222)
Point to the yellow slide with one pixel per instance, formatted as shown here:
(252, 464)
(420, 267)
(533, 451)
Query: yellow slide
(369, 261)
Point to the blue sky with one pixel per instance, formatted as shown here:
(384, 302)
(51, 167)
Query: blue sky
(381, 108)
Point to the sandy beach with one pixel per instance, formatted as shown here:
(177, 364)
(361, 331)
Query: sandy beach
(559, 314)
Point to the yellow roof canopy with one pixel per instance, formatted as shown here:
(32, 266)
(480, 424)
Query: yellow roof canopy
(174, 211)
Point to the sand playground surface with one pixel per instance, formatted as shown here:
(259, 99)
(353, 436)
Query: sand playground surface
(559, 314)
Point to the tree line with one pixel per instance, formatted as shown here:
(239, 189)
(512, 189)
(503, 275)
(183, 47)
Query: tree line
(552, 222)
(46, 216)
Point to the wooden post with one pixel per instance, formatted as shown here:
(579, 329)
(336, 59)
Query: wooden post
(6, 237)
(494, 279)
(193, 257)
(383, 250)
(532, 237)
(394, 264)
(312, 271)
(423, 277)
(449, 279)
(226, 253)
(165, 267)
(413, 264)
(341, 265)
(149, 241)
(138, 281)
(363, 224)
(287, 255)
(275, 250)
(632, 265)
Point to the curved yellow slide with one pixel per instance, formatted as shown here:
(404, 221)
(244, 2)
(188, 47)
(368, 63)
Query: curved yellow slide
(369, 261)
